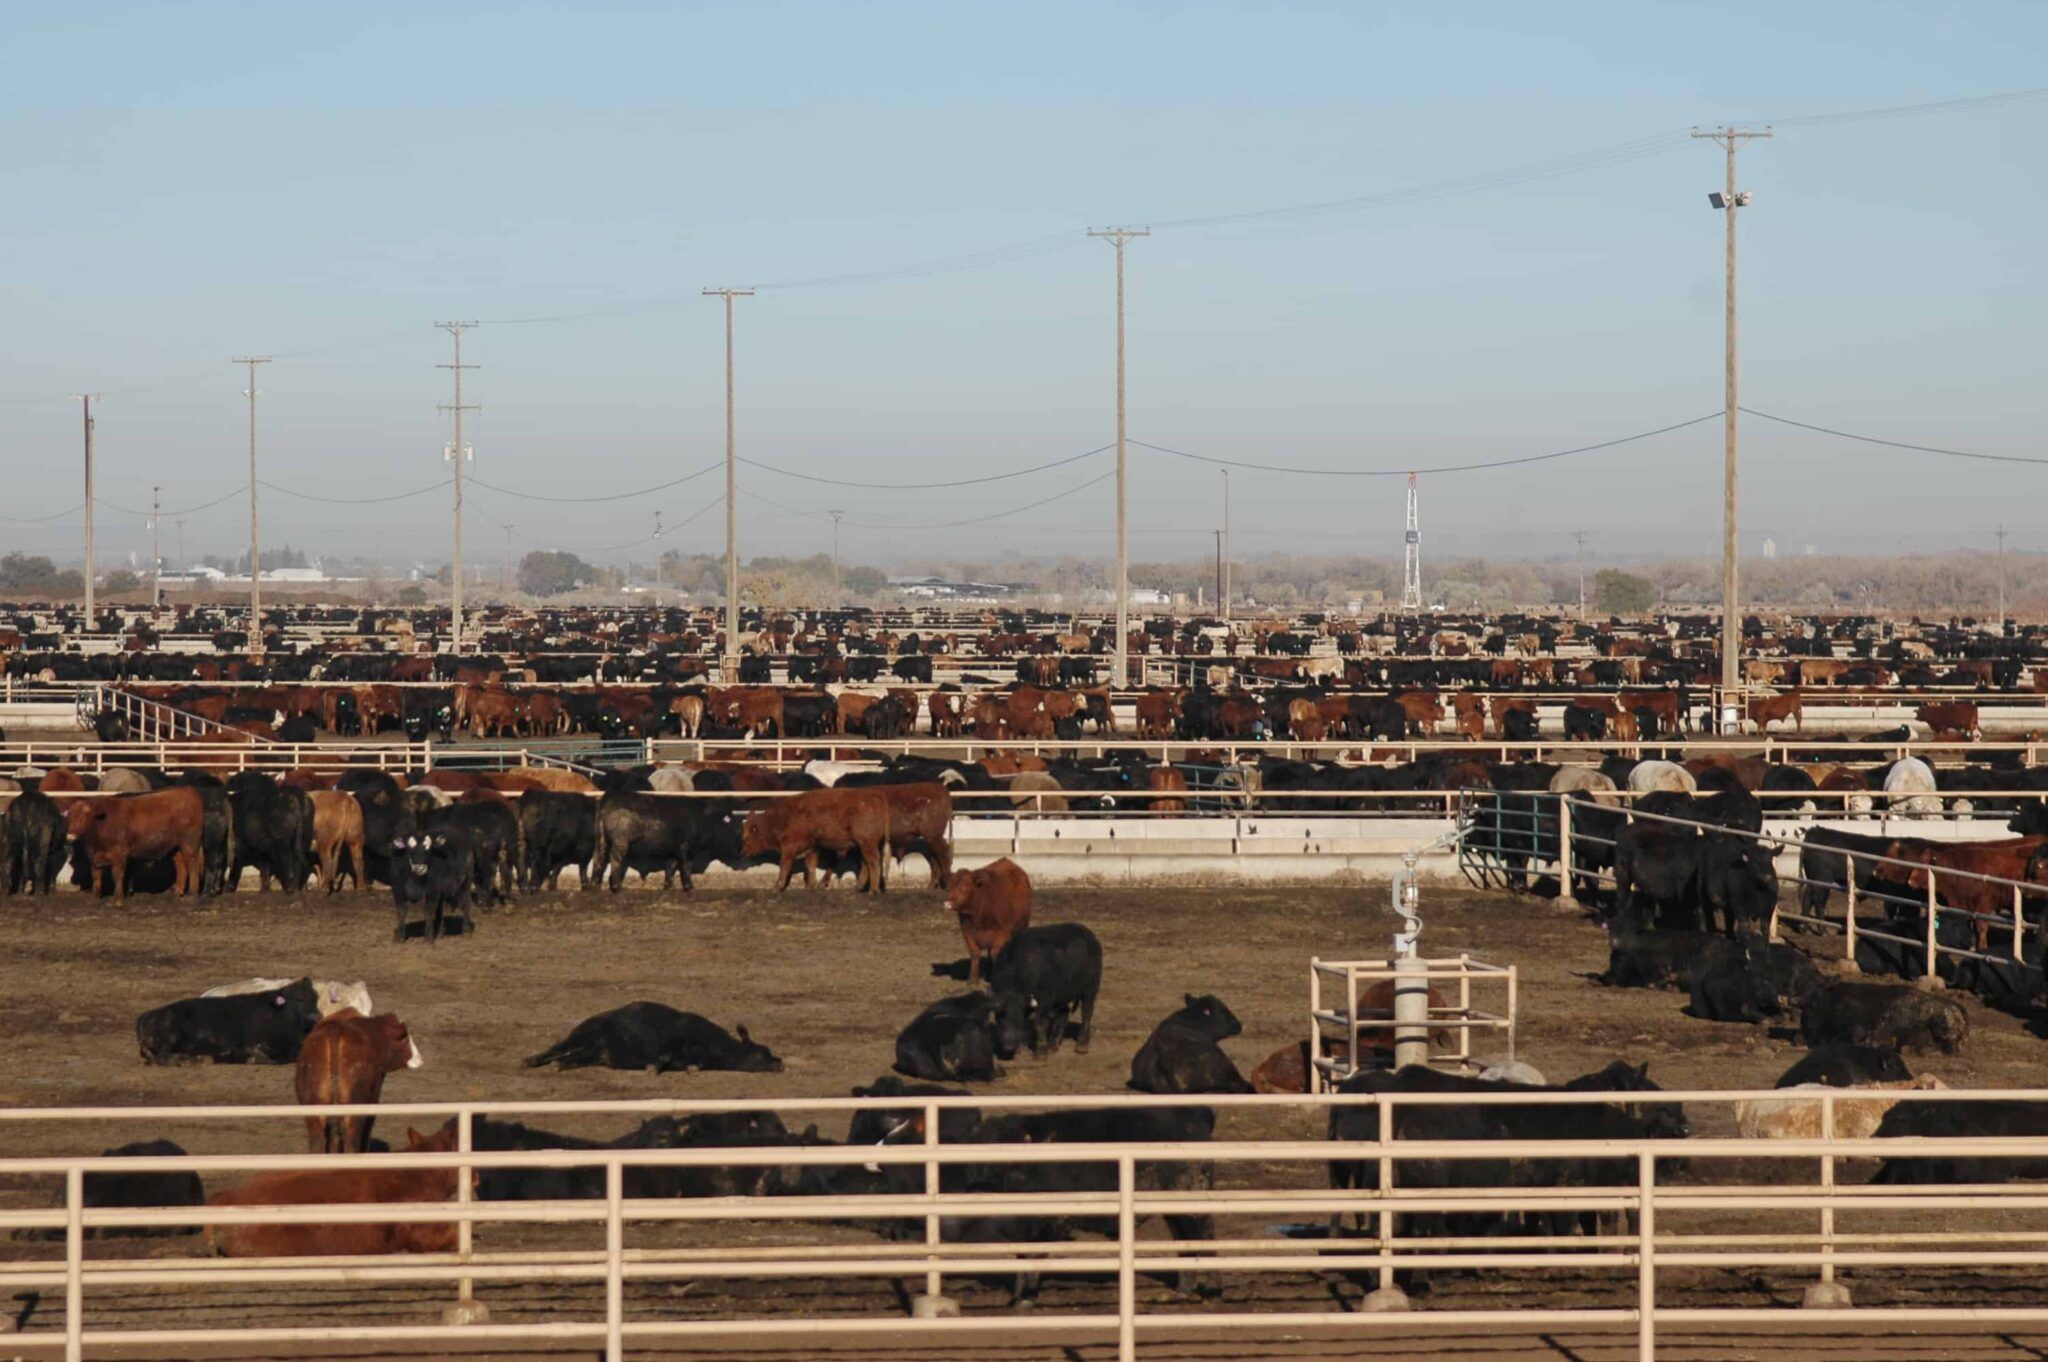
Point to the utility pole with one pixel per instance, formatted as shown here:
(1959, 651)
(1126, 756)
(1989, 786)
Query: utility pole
(836, 517)
(657, 559)
(732, 558)
(85, 401)
(255, 547)
(505, 585)
(1411, 552)
(1120, 674)
(183, 567)
(156, 552)
(2001, 581)
(1580, 535)
(1728, 201)
(1223, 588)
(457, 454)
(1219, 567)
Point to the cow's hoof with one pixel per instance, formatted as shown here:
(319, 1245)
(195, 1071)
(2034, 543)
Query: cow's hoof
(1080, 1047)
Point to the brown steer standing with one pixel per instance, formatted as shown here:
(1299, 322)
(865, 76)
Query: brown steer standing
(343, 1063)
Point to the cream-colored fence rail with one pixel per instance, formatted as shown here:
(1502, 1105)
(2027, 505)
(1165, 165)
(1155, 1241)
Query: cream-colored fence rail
(1614, 1213)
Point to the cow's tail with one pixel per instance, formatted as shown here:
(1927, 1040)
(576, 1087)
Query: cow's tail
(227, 865)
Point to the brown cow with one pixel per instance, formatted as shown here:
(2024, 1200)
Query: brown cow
(1158, 713)
(689, 712)
(944, 707)
(1504, 706)
(1767, 709)
(920, 819)
(836, 821)
(343, 1063)
(341, 1187)
(1171, 782)
(338, 827)
(1950, 716)
(112, 832)
(1423, 710)
(993, 904)
(2006, 859)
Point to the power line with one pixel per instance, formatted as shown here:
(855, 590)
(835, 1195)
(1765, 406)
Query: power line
(942, 525)
(183, 510)
(928, 486)
(361, 501)
(1441, 468)
(42, 519)
(1895, 444)
(1939, 106)
(616, 496)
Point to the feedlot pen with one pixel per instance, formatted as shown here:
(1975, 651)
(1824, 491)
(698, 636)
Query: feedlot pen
(826, 980)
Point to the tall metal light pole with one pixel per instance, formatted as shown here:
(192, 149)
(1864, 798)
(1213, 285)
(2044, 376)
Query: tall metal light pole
(1728, 201)
(2001, 581)
(732, 559)
(1120, 672)
(457, 454)
(156, 552)
(85, 401)
(836, 517)
(1580, 536)
(255, 542)
(1224, 593)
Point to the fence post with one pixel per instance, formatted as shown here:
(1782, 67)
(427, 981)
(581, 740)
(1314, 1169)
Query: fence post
(467, 1308)
(1386, 1296)
(74, 1264)
(1126, 1259)
(1849, 922)
(1646, 1257)
(1827, 1293)
(614, 1261)
(2019, 925)
(1931, 980)
(1566, 898)
(934, 1303)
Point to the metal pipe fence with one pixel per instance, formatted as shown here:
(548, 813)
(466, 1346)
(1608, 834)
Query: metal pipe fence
(1625, 1216)
(1504, 833)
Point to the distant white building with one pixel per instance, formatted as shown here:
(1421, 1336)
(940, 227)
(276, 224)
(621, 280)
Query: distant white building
(1770, 548)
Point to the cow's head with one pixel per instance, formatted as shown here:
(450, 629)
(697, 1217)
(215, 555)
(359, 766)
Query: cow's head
(748, 1057)
(755, 839)
(1013, 1011)
(1209, 1014)
(412, 851)
(960, 890)
(84, 815)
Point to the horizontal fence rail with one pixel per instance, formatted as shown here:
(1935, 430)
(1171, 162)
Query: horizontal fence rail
(1625, 1216)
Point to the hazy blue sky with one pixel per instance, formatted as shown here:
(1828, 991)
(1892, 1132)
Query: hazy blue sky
(190, 182)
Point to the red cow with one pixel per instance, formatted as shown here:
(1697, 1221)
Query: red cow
(1950, 716)
(1169, 780)
(2009, 858)
(342, 1187)
(343, 1063)
(993, 903)
(111, 832)
(805, 824)
(338, 827)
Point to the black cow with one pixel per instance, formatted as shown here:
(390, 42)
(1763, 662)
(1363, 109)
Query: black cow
(1752, 980)
(1089, 1126)
(1965, 1121)
(1639, 957)
(437, 872)
(245, 1028)
(273, 831)
(715, 1129)
(558, 828)
(111, 1191)
(647, 832)
(1739, 879)
(1038, 980)
(1847, 1066)
(216, 831)
(913, 668)
(1896, 1015)
(952, 1041)
(1583, 723)
(1656, 873)
(1825, 861)
(496, 848)
(658, 1038)
(31, 843)
(1183, 1055)
(1520, 725)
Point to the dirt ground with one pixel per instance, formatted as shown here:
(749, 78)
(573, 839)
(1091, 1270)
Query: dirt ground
(826, 980)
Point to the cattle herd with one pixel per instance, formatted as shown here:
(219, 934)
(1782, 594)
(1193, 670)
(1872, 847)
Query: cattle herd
(1664, 852)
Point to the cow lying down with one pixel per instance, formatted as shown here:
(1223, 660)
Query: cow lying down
(247, 1028)
(1800, 1118)
(334, 995)
(655, 1037)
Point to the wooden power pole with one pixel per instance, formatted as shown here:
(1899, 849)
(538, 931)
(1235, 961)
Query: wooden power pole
(457, 454)
(1120, 674)
(732, 553)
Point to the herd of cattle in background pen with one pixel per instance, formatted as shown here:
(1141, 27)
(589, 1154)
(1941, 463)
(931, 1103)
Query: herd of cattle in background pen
(447, 838)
